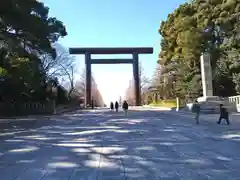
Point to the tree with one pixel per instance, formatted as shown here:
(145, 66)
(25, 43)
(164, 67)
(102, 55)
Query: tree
(194, 28)
(144, 81)
(62, 66)
(26, 32)
(81, 90)
(27, 25)
(144, 84)
(96, 95)
(159, 83)
(129, 94)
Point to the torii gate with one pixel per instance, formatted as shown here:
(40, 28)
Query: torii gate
(134, 61)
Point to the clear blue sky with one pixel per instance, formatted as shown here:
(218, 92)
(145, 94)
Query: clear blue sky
(113, 23)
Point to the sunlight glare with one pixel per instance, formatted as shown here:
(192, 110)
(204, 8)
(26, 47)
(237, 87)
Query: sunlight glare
(26, 149)
(63, 165)
(75, 145)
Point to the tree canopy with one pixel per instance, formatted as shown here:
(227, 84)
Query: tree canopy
(194, 28)
(26, 33)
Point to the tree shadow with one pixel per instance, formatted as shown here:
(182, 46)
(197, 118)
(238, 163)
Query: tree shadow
(107, 145)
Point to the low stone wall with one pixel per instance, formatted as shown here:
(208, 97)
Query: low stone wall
(28, 108)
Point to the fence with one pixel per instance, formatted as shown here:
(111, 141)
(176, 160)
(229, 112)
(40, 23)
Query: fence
(236, 101)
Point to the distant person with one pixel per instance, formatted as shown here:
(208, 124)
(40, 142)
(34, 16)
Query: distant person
(223, 114)
(125, 107)
(196, 110)
(92, 104)
(111, 106)
(116, 106)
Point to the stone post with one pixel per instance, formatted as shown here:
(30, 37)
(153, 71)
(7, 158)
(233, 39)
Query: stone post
(206, 73)
(177, 101)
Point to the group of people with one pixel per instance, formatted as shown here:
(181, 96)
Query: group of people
(116, 106)
(223, 113)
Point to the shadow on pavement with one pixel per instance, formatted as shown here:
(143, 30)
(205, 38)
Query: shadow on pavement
(107, 145)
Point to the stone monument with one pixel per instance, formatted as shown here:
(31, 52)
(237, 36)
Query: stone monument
(209, 102)
(206, 74)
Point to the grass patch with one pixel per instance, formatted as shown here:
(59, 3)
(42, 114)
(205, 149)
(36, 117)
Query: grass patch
(169, 103)
(165, 103)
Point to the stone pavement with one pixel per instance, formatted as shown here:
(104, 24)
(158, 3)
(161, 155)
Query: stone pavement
(103, 145)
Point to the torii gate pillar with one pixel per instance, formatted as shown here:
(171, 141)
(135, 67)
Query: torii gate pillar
(137, 88)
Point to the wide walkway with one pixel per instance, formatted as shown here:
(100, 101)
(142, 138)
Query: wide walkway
(103, 145)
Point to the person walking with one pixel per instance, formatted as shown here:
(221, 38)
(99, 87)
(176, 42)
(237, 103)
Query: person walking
(125, 108)
(92, 103)
(116, 106)
(196, 110)
(111, 106)
(223, 115)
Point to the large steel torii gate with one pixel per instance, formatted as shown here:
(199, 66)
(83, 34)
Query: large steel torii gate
(134, 61)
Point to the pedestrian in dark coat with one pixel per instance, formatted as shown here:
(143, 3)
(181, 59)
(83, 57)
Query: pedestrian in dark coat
(116, 106)
(92, 104)
(111, 106)
(125, 107)
(196, 110)
(223, 114)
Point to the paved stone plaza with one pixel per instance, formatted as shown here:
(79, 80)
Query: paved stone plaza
(103, 145)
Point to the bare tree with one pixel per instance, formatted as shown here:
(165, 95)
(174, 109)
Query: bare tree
(144, 84)
(161, 82)
(129, 94)
(69, 75)
(62, 66)
(80, 88)
(157, 76)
